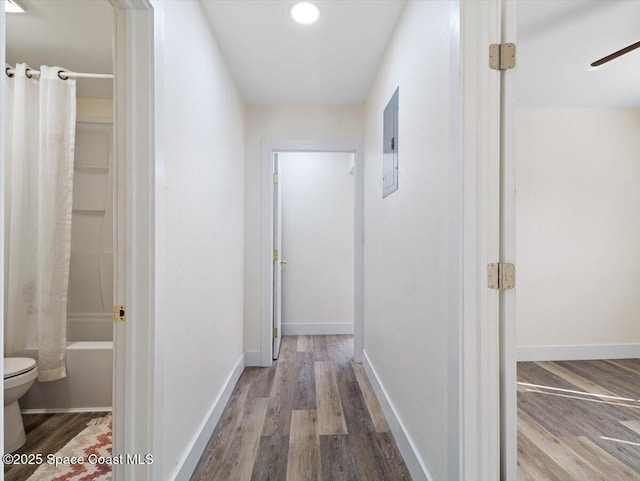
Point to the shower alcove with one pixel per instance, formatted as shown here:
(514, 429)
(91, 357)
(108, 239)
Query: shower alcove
(88, 385)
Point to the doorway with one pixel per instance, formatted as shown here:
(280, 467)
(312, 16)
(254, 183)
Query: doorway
(274, 152)
(313, 244)
(570, 345)
(67, 327)
(134, 413)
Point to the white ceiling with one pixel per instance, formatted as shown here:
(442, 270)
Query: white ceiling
(557, 42)
(74, 34)
(277, 61)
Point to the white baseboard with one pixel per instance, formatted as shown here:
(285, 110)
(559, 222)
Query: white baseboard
(578, 352)
(414, 462)
(252, 359)
(187, 465)
(316, 328)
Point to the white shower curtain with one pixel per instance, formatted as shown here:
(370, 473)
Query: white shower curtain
(40, 122)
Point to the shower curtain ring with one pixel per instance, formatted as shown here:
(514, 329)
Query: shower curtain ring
(9, 74)
(66, 77)
(28, 75)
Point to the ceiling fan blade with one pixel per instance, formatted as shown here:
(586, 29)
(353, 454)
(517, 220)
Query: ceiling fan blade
(617, 54)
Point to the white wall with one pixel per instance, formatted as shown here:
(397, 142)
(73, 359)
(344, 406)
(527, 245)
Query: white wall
(578, 226)
(282, 123)
(201, 269)
(406, 234)
(317, 194)
(94, 108)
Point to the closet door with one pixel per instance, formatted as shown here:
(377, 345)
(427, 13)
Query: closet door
(277, 259)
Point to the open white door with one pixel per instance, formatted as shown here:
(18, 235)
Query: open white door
(277, 259)
(508, 366)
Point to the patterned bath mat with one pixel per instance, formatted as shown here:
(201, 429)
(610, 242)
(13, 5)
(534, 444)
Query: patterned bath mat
(93, 443)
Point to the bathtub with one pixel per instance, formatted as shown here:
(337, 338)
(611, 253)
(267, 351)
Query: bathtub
(87, 387)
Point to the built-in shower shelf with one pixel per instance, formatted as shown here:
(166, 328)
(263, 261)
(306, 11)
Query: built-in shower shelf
(100, 168)
(106, 253)
(89, 211)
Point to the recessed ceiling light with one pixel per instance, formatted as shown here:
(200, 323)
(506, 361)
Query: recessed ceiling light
(304, 12)
(10, 6)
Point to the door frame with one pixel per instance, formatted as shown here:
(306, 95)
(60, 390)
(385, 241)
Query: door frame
(266, 305)
(3, 49)
(476, 129)
(136, 417)
(489, 394)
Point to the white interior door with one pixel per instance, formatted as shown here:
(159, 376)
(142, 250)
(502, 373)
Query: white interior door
(277, 259)
(508, 370)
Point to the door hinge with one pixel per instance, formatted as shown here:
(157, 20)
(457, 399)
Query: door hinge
(276, 255)
(502, 56)
(275, 332)
(276, 178)
(119, 313)
(501, 276)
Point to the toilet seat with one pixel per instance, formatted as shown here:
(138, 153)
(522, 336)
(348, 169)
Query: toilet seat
(14, 366)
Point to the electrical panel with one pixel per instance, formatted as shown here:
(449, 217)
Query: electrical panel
(390, 146)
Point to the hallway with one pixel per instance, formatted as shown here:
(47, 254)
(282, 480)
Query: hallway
(311, 416)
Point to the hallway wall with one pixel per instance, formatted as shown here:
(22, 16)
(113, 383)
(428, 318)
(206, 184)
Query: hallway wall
(200, 310)
(283, 123)
(406, 245)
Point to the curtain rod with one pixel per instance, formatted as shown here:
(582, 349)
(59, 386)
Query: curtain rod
(62, 74)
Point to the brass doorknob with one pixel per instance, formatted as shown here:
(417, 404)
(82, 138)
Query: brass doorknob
(283, 262)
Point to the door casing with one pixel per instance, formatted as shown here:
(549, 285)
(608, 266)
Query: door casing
(136, 424)
(476, 434)
(3, 43)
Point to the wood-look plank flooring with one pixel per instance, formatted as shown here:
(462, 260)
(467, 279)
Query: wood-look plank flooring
(311, 416)
(47, 434)
(579, 420)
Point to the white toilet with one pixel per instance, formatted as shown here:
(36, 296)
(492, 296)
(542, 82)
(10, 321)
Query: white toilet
(19, 375)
